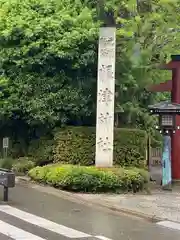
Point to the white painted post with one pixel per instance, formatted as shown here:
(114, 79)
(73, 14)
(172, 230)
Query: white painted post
(105, 97)
(5, 146)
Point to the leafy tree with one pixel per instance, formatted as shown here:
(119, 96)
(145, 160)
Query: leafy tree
(143, 42)
(47, 56)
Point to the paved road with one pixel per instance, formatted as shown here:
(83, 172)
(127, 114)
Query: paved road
(35, 215)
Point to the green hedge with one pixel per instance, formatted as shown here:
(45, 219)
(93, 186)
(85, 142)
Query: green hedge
(76, 145)
(41, 150)
(91, 179)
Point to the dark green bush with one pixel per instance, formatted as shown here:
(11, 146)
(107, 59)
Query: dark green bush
(6, 163)
(18, 148)
(23, 165)
(76, 145)
(91, 179)
(41, 150)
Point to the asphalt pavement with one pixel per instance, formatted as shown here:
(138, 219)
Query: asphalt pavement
(31, 214)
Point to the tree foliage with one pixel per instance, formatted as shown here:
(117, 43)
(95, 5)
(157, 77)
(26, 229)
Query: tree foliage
(147, 35)
(47, 55)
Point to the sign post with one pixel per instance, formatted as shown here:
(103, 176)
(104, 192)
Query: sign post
(105, 97)
(5, 146)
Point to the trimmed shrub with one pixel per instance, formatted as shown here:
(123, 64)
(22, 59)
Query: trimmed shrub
(23, 165)
(41, 151)
(76, 145)
(18, 148)
(91, 179)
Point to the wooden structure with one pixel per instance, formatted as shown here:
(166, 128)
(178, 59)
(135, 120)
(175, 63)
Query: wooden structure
(172, 86)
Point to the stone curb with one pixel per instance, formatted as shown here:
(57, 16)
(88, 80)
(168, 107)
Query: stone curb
(79, 199)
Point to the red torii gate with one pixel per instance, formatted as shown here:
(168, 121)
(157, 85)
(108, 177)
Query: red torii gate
(173, 86)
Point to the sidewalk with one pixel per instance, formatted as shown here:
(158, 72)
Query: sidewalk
(160, 205)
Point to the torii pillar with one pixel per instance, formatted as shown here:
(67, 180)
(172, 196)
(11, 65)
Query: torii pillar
(173, 86)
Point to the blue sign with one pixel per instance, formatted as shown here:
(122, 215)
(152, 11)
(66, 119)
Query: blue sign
(166, 161)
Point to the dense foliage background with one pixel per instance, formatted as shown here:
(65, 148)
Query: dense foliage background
(48, 62)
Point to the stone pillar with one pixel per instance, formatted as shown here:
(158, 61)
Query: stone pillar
(105, 97)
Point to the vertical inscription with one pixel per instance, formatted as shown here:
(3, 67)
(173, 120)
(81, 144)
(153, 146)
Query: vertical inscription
(104, 118)
(105, 73)
(105, 97)
(104, 144)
